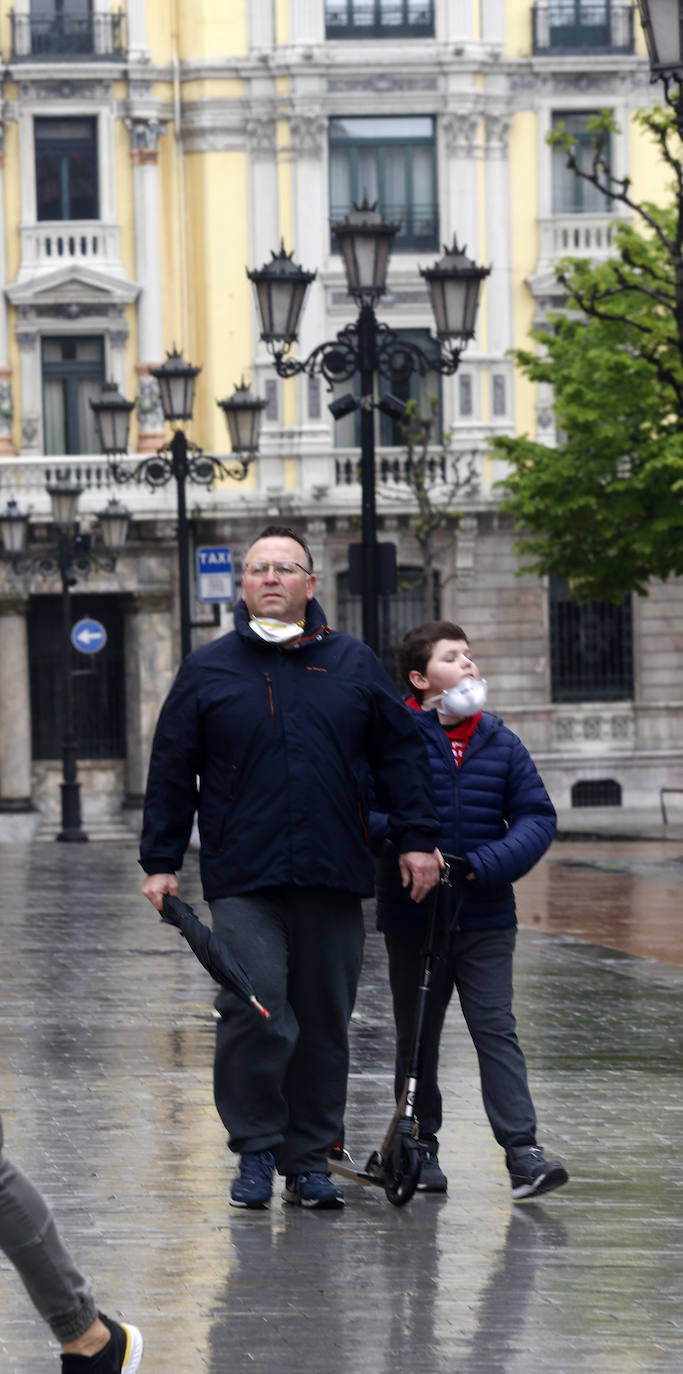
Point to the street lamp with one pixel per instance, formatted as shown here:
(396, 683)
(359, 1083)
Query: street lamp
(180, 459)
(662, 22)
(367, 347)
(72, 559)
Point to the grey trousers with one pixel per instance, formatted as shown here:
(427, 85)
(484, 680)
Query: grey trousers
(30, 1239)
(280, 1085)
(478, 964)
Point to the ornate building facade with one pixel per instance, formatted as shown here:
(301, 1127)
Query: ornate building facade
(149, 155)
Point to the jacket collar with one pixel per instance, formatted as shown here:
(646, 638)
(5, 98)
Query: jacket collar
(315, 626)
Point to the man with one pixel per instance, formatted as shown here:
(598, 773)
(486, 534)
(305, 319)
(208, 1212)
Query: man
(282, 721)
(59, 1291)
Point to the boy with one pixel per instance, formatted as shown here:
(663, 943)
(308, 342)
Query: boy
(496, 813)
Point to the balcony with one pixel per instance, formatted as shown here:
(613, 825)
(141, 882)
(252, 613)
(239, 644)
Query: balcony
(61, 243)
(55, 38)
(379, 19)
(563, 27)
(576, 236)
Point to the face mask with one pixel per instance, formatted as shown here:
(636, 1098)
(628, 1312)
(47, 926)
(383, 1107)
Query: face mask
(464, 700)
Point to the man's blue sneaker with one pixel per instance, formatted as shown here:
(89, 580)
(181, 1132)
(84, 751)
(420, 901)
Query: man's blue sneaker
(313, 1190)
(253, 1186)
(531, 1173)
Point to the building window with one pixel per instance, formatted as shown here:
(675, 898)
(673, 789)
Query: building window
(465, 399)
(55, 29)
(397, 614)
(582, 26)
(272, 410)
(498, 394)
(572, 195)
(591, 647)
(314, 401)
(73, 372)
(392, 161)
(379, 18)
(66, 169)
(99, 680)
(596, 792)
(425, 391)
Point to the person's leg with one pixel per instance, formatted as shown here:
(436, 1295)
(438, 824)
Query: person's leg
(483, 977)
(405, 967)
(31, 1241)
(252, 1054)
(326, 934)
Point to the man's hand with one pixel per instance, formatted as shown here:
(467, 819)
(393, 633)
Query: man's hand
(420, 872)
(157, 885)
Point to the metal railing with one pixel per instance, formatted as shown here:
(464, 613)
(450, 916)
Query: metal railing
(564, 26)
(50, 38)
(377, 19)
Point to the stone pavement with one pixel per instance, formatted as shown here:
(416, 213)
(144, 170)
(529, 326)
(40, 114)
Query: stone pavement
(105, 1086)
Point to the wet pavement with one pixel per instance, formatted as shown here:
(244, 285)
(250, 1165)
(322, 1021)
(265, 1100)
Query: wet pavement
(105, 1086)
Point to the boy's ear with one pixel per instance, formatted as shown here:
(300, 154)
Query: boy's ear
(417, 679)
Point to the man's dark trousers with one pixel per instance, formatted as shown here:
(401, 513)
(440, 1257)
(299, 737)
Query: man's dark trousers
(280, 1085)
(479, 965)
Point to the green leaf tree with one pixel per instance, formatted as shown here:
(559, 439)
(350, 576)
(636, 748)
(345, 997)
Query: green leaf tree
(604, 508)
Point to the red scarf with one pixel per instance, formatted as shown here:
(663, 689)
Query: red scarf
(459, 733)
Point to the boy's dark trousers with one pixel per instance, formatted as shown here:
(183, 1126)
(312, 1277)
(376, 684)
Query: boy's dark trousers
(479, 965)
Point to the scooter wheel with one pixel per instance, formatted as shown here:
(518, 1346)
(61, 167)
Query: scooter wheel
(402, 1170)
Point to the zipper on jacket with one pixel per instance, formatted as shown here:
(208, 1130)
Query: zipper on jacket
(269, 687)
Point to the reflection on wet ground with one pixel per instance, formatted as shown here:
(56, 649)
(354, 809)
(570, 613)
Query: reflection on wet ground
(105, 1086)
(626, 895)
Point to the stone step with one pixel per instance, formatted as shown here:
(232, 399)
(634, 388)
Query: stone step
(107, 831)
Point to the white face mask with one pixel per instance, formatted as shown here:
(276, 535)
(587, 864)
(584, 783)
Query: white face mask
(464, 700)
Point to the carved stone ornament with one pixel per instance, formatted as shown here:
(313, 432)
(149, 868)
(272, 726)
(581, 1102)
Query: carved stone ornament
(498, 131)
(308, 133)
(461, 131)
(381, 83)
(65, 90)
(261, 133)
(145, 133)
(29, 430)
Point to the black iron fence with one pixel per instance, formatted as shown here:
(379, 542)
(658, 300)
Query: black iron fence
(576, 26)
(52, 37)
(379, 18)
(98, 681)
(591, 647)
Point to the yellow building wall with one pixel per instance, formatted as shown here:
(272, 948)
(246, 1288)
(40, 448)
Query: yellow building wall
(524, 252)
(220, 335)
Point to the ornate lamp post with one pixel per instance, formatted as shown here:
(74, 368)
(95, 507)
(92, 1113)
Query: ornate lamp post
(73, 559)
(367, 346)
(180, 459)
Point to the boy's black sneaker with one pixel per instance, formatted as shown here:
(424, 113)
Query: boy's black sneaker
(531, 1173)
(432, 1177)
(121, 1355)
(313, 1189)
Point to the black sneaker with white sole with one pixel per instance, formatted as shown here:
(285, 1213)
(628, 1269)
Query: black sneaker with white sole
(531, 1173)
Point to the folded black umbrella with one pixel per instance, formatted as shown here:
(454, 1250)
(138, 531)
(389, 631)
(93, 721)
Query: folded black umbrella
(213, 953)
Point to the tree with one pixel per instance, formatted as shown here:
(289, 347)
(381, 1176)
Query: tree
(434, 477)
(604, 508)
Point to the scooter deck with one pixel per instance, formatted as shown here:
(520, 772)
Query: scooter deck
(347, 1169)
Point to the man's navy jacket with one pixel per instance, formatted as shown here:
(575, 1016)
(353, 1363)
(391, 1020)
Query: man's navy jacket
(494, 811)
(283, 740)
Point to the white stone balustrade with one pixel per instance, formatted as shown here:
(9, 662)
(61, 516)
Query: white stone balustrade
(578, 236)
(47, 246)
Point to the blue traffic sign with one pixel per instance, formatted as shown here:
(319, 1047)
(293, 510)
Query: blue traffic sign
(214, 574)
(88, 636)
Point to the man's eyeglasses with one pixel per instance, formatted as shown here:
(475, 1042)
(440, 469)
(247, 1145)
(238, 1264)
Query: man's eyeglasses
(284, 569)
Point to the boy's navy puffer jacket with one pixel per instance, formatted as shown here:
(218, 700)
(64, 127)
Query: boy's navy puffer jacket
(494, 811)
(282, 739)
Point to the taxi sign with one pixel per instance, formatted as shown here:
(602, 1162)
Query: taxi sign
(214, 574)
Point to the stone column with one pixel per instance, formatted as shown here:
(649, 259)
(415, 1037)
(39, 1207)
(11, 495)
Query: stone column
(148, 638)
(145, 132)
(6, 406)
(15, 707)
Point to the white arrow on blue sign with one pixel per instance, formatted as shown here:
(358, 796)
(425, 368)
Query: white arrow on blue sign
(88, 636)
(214, 574)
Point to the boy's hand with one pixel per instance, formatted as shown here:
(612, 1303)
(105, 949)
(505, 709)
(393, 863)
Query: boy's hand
(420, 872)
